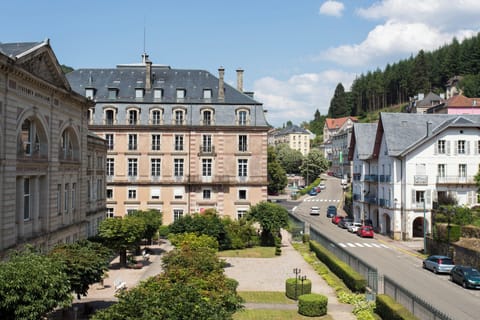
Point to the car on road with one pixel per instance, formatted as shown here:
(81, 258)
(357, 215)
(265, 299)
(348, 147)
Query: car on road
(438, 264)
(312, 192)
(314, 211)
(466, 276)
(336, 219)
(331, 211)
(345, 222)
(322, 186)
(365, 232)
(354, 227)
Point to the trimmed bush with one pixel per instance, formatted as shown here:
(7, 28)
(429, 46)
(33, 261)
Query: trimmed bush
(312, 305)
(352, 279)
(290, 291)
(387, 308)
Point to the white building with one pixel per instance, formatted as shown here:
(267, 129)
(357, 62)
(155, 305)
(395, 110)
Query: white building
(405, 165)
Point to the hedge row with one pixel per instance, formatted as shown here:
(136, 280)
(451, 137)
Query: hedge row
(387, 308)
(352, 279)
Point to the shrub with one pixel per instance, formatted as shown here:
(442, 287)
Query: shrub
(163, 231)
(387, 308)
(294, 289)
(312, 305)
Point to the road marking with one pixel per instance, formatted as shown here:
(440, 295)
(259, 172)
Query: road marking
(342, 245)
(359, 244)
(385, 246)
(376, 245)
(367, 245)
(350, 245)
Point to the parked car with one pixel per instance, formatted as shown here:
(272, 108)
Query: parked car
(438, 264)
(345, 222)
(331, 211)
(318, 190)
(365, 232)
(312, 192)
(368, 222)
(322, 186)
(314, 211)
(336, 219)
(354, 227)
(467, 276)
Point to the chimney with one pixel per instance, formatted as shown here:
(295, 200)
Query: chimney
(148, 71)
(221, 86)
(240, 80)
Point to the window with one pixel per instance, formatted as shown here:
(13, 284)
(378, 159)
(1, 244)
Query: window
(177, 214)
(132, 117)
(178, 167)
(110, 167)
(419, 196)
(66, 146)
(132, 142)
(207, 167)
(155, 142)
(155, 193)
(462, 170)
(59, 198)
(65, 199)
(181, 93)
(242, 167)
(242, 118)
(73, 192)
(132, 194)
(26, 199)
(109, 138)
(178, 192)
(139, 93)
(157, 93)
(109, 193)
(112, 93)
(156, 117)
(110, 213)
(30, 142)
(242, 194)
(207, 117)
(441, 146)
(109, 117)
(132, 167)
(179, 117)
(441, 170)
(89, 93)
(207, 143)
(178, 142)
(91, 115)
(241, 213)
(207, 93)
(461, 146)
(207, 194)
(242, 143)
(155, 167)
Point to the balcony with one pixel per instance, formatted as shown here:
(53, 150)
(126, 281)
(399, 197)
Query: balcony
(225, 179)
(455, 180)
(384, 203)
(207, 150)
(357, 176)
(384, 178)
(372, 199)
(370, 178)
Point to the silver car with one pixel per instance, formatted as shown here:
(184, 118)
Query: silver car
(438, 264)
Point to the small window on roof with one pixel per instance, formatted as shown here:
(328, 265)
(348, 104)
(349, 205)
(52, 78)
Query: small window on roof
(180, 93)
(89, 93)
(112, 93)
(139, 93)
(157, 93)
(207, 94)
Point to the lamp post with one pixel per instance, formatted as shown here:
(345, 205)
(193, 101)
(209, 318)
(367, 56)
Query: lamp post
(303, 278)
(296, 271)
(424, 227)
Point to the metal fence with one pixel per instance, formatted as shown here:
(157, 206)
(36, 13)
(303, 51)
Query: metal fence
(417, 306)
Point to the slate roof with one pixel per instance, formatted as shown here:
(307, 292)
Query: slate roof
(430, 100)
(403, 131)
(127, 78)
(291, 130)
(18, 48)
(364, 135)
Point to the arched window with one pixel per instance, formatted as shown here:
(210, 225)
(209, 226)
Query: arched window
(133, 116)
(179, 116)
(91, 115)
(156, 116)
(32, 141)
(243, 117)
(68, 149)
(207, 117)
(110, 117)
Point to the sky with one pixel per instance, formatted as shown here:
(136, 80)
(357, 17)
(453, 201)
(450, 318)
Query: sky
(293, 53)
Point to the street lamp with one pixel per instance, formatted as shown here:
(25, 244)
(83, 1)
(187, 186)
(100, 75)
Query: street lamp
(424, 227)
(296, 271)
(303, 278)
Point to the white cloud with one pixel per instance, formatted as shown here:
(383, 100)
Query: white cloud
(332, 8)
(297, 98)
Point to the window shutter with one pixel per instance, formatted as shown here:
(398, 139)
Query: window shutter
(414, 200)
(467, 147)
(475, 147)
(448, 147)
(455, 149)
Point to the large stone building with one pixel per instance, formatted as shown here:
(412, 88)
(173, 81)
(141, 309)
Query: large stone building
(44, 147)
(336, 141)
(295, 137)
(180, 141)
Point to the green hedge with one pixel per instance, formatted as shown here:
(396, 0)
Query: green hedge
(290, 291)
(387, 308)
(312, 305)
(352, 279)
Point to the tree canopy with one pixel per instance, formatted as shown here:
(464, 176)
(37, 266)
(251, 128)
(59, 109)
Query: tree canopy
(277, 177)
(338, 104)
(152, 219)
(271, 217)
(313, 165)
(289, 159)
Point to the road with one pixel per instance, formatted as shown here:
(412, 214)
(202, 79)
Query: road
(403, 268)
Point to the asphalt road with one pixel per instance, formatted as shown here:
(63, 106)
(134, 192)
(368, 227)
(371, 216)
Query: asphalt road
(403, 268)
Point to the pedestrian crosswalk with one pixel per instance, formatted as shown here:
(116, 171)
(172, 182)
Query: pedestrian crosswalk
(319, 200)
(363, 245)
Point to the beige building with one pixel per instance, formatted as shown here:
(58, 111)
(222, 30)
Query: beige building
(295, 137)
(179, 141)
(43, 146)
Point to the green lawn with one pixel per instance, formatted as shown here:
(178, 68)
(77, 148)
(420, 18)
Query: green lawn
(265, 297)
(261, 314)
(256, 252)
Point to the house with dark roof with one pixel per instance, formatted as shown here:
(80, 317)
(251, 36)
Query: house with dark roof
(48, 157)
(179, 140)
(336, 139)
(297, 138)
(408, 164)
(422, 104)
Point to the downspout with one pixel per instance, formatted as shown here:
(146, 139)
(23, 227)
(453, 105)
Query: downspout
(402, 203)
(189, 157)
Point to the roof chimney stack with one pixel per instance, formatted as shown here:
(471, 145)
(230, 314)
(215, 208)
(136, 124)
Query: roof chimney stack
(221, 84)
(148, 71)
(240, 80)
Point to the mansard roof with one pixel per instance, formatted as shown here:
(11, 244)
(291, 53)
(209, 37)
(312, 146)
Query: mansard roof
(291, 130)
(363, 138)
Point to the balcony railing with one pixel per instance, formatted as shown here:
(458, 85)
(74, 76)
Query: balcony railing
(371, 178)
(370, 199)
(420, 179)
(225, 179)
(357, 176)
(455, 180)
(207, 150)
(384, 178)
(384, 203)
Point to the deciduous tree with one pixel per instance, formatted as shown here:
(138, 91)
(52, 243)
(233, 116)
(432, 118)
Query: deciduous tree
(271, 217)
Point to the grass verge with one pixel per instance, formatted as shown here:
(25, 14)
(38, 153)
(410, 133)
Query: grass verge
(266, 297)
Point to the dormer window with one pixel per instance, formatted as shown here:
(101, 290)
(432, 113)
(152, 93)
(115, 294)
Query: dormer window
(207, 93)
(243, 117)
(110, 115)
(90, 93)
(157, 93)
(132, 116)
(156, 116)
(179, 117)
(112, 93)
(181, 93)
(139, 93)
(207, 117)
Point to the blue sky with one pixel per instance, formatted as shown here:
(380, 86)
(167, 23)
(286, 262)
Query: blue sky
(294, 53)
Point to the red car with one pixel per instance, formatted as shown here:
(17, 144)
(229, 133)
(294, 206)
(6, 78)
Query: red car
(365, 232)
(336, 219)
